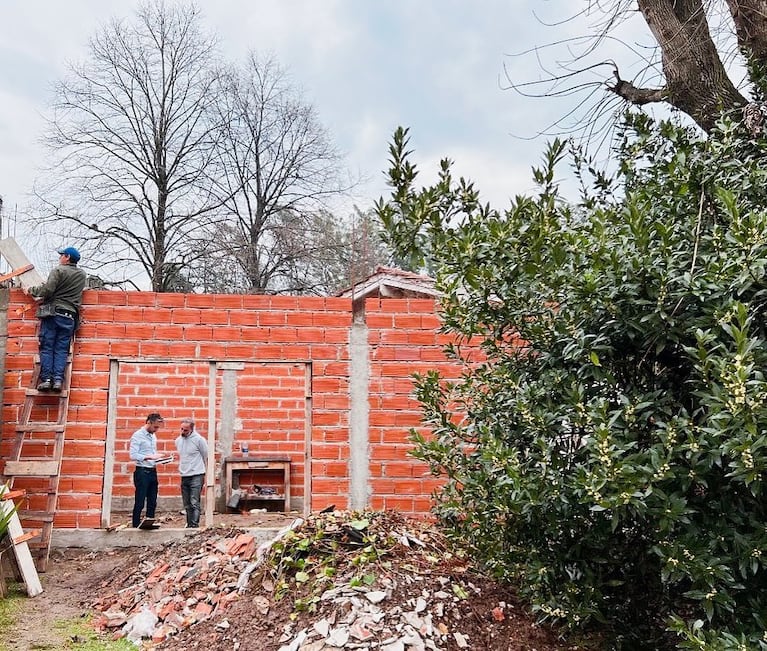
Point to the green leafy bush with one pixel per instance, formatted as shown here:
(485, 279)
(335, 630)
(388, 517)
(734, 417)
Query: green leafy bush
(608, 454)
(5, 516)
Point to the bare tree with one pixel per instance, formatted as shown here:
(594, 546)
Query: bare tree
(133, 138)
(318, 253)
(339, 253)
(699, 46)
(277, 167)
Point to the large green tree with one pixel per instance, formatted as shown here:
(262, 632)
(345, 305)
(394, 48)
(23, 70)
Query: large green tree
(608, 455)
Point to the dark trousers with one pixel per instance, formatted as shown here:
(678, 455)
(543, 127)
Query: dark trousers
(55, 335)
(145, 481)
(191, 489)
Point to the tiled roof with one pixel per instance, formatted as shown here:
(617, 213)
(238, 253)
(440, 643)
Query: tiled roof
(390, 282)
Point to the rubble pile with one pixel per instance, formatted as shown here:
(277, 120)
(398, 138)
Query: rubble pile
(338, 580)
(342, 567)
(178, 586)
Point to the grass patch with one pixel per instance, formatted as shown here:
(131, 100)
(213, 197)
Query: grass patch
(80, 636)
(10, 611)
(76, 634)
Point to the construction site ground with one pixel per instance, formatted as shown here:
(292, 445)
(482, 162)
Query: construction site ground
(245, 520)
(414, 596)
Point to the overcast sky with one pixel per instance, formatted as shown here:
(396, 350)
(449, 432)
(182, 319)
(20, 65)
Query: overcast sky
(436, 66)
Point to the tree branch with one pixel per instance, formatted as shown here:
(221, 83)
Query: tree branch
(634, 94)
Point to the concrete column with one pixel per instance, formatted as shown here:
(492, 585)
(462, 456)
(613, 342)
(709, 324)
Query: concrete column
(359, 414)
(226, 428)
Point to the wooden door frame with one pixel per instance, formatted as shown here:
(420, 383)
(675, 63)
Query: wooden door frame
(210, 477)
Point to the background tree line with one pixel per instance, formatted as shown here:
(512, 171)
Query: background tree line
(205, 175)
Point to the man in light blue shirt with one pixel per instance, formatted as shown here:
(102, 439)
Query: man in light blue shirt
(143, 450)
(192, 457)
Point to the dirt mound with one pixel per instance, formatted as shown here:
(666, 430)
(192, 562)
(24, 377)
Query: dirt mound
(345, 580)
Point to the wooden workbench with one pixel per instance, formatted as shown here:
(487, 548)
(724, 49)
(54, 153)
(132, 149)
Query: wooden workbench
(238, 465)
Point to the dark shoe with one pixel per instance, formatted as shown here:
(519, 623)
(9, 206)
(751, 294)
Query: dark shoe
(45, 385)
(57, 384)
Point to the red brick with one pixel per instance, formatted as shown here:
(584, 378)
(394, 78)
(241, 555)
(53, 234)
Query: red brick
(143, 299)
(104, 331)
(104, 297)
(379, 321)
(300, 319)
(227, 302)
(153, 349)
(198, 333)
(284, 302)
(283, 335)
(256, 302)
(124, 348)
(182, 350)
(185, 315)
(168, 332)
(243, 318)
(272, 318)
(333, 320)
(85, 484)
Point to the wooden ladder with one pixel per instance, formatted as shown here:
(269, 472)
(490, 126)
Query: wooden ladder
(36, 456)
(18, 543)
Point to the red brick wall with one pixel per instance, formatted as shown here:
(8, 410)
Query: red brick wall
(404, 338)
(165, 343)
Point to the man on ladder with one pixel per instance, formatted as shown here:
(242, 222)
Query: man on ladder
(60, 298)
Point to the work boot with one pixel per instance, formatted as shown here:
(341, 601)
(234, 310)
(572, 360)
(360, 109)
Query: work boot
(45, 385)
(57, 384)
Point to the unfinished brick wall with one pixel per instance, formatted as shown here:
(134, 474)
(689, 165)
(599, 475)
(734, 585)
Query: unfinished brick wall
(281, 372)
(404, 339)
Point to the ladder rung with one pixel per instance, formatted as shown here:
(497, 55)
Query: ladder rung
(38, 547)
(49, 394)
(32, 468)
(41, 427)
(36, 516)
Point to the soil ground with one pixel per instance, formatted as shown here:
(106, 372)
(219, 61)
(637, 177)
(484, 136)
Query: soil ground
(177, 519)
(72, 577)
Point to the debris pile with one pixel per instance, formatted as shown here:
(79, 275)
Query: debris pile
(339, 580)
(176, 587)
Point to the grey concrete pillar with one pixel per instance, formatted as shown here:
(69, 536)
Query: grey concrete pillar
(359, 413)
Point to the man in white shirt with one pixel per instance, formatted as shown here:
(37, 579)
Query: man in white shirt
(192, 457)
(143, 450)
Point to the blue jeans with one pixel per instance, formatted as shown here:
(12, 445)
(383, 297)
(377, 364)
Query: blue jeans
(55, 335)
(145, 481)
(191, 488)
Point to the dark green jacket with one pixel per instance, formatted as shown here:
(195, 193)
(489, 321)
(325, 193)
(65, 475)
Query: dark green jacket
(64, 288)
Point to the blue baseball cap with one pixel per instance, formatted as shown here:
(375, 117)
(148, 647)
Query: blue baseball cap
(72, 252)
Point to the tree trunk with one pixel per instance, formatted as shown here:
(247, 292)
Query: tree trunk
(696, 81)
(750, 19)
